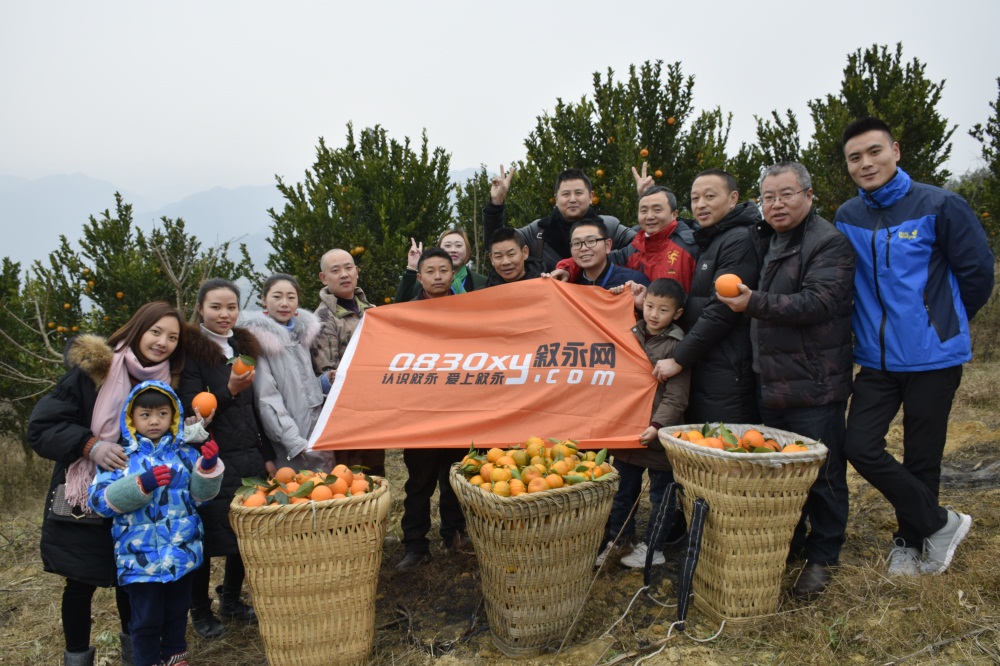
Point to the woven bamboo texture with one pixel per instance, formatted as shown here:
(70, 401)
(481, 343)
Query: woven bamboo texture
(313, 569)
(529, 547)
(755, 501)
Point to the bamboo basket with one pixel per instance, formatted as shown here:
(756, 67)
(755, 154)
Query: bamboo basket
(313, 569)
(755, 501)
(529, 547)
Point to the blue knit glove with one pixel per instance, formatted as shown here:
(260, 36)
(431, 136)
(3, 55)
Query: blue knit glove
(152, 479)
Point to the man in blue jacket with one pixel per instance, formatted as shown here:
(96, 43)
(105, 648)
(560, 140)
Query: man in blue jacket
(924, 269)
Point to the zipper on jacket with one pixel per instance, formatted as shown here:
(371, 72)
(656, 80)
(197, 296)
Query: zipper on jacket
(879, 220)
(930, 319)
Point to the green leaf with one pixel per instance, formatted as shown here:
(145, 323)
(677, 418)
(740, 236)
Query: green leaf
(602, 455)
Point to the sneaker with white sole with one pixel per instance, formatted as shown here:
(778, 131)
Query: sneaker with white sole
(939, 548)
(637, 558)
(904, 561)
(604, 554)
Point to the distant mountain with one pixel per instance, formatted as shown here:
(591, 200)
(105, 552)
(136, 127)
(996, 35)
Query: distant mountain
(34, 212)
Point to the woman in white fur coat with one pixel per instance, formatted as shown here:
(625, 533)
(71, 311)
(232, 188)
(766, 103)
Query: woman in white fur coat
(288, 393)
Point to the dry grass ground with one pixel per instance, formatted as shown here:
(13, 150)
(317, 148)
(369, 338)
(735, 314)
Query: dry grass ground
(433, 614)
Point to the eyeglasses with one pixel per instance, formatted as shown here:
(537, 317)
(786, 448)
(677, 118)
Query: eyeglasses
(770, 199)
(586, 242)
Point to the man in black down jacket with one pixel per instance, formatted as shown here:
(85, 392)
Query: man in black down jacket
(548, 237)
(717, 344)
(801, 336)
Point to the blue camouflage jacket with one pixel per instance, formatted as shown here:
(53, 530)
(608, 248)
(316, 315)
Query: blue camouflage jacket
(158, 536)
(924, 268)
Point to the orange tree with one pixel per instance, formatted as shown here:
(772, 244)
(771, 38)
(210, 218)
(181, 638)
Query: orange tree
(95, 289)
(983, 190)
(369, 197)
(649, 116)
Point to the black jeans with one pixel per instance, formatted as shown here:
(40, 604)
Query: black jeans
(159, 619)
(826, 507)
(911, 486)
(427, 468)
(76, 620)
(232, 582)
(629, 487)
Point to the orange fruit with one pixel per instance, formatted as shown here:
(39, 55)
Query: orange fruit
(752, 438)
(205, 402)
(658, 173)
(284, 475)
(504, 461)
(600, 173)
(320, 493)
(242, 364)
(794, 448)
(694, 436)
(530, 473)
(339, 487)
(501, 488)
(256, 499)
(291, 487)
(554, 481)
(728, 285)
(487, 486)
(486, 470)
(516, 487)
(671, 120)
(712, 443)
(594, 200)
(771, 444)
(477, 480)
(339, 496)
(298, 500)
(560, 467)
(537, 485)
(359, 486)
(643, 153)
(494, 454)
(500, 474)
(120, 294)
(344, 472)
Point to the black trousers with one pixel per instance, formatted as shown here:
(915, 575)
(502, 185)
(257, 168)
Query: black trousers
(427, 468)
(232, 582)
(76, 619)
(159, 619)
(826, 507)
(911, 486)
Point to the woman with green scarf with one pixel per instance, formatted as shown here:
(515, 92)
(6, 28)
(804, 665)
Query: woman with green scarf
(456, 243)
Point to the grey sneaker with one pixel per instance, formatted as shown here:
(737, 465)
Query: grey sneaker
(604, 554)
(904, 561)
(939, 548)
(637, 558)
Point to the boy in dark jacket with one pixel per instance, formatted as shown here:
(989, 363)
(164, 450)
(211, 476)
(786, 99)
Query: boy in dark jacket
(658, 334)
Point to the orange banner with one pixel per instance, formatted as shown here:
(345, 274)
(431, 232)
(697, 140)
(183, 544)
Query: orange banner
(493, 367)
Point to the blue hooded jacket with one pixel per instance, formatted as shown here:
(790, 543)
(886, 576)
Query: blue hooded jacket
(158, 536)
(924, 268)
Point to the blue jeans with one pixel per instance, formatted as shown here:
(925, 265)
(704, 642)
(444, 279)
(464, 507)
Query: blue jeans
(826, 506)
(629, 488)
(159, 619)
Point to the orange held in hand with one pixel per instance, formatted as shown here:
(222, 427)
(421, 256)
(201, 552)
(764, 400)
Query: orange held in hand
(242, 364)
(728, 285)
(204, 402)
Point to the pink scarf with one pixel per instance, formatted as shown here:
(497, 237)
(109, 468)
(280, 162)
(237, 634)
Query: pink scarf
(105, 422)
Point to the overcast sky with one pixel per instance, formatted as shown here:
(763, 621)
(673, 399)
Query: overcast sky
(170, 98)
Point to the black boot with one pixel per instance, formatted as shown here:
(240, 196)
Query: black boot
(126, 649)
(85, 658)
(206, 624)
(233, 608)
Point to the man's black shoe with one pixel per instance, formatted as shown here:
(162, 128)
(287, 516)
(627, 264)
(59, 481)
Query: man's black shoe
(206, 625)
(412, 560)
(813, 580)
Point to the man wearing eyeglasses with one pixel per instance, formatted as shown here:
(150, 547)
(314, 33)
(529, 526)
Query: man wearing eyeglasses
(590, 245)
(800, 334)
(924, 270)
(548, 237)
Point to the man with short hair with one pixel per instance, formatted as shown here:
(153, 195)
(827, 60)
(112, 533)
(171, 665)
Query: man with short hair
(717, 344)
(430, 468)
(801, 336)
(590, 245)
(342, 304)
(924, 271)
(548, 238)
(510, 258)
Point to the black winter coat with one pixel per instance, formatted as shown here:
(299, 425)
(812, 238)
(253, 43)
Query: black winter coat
(235, 428)
(58, 430)
(717, 345)
(803, 308)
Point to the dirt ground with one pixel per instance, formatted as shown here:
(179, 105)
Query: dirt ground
(433, 614)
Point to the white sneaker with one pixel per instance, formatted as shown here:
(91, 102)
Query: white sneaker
(904, 561)
(604, 554)
(637, 558)
(939, 548)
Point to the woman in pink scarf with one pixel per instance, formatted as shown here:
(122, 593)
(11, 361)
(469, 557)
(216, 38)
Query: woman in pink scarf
(77, 425)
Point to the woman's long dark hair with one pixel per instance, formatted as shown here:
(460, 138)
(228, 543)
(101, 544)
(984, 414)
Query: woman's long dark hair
(131, 333)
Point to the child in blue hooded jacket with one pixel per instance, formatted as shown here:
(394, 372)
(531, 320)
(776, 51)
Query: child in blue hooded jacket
(157, 531)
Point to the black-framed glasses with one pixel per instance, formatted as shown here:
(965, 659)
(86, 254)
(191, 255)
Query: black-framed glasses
(771, 199)
(586, 242)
